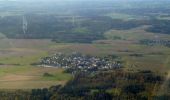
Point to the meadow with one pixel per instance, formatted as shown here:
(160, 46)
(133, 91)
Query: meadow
(17, 71)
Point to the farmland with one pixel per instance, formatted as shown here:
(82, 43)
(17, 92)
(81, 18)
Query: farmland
(16, 61)
(16, 71)
(84, 50)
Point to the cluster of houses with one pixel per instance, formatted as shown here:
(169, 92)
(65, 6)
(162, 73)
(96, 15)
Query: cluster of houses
(79, 62)
(155, 42)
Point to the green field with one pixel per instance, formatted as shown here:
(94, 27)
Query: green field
(29, 77)
(16, 71)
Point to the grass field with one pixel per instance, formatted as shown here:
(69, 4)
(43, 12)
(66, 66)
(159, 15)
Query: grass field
(29, 77)
(16, 71)
(154, 58)
(17, 55)
(138, 33)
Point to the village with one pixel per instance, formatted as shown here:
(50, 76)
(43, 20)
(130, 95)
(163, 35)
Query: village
(155, 42)
(78, 62)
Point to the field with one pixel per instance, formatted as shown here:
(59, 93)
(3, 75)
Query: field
(134, 34)
(123, 16)
(17, 55)
(29, 32)
(27, 77)
(16, 71)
